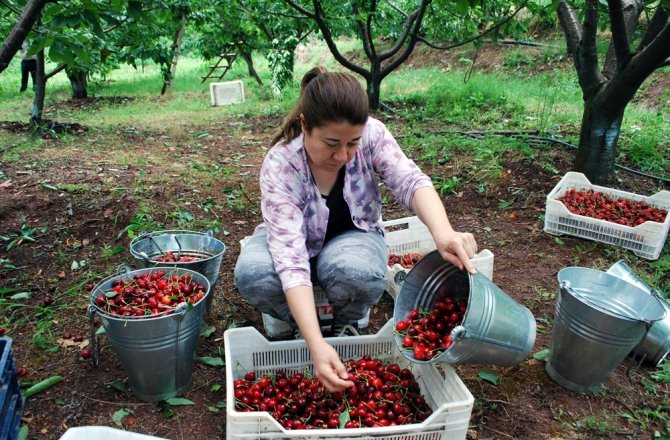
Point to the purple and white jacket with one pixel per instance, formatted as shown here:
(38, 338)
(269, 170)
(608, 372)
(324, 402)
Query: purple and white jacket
(296, 215)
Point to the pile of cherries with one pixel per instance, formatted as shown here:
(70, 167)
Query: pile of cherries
(407, 260)
(598, 205)
(171, 257)
(426, 333)
(384, 394)
(150, 294)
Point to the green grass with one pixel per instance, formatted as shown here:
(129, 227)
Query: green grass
(451, 100)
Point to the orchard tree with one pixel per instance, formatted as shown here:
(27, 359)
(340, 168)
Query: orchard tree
(390, 30)
(230, 27)
(362, 19)
(281, 30)
(608, 90)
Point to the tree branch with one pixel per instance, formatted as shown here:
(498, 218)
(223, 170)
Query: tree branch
(656, 24)
(470, 40)
(328, 37)
(407, 26)
(21, 29)
(589, 50)
(619, 33)
(631, 15)
(55, 71)
(364, 30)
(10, 7)
(581, 41)
(397, 9)
(390, 67)
(571, 27)
(300, 9)
(649, 59)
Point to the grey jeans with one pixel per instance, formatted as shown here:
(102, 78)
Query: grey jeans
(351, 268)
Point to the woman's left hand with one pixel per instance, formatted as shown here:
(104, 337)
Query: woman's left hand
(457, 248)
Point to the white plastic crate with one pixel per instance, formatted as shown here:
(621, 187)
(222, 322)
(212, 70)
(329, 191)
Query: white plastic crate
(247, 350)
(415, 237)
(645, 240)
(103, 433)
(277, 328)
(228, 92)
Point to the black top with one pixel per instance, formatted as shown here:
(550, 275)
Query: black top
(339, 218)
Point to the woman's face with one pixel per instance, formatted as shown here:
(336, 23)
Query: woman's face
(332, 145)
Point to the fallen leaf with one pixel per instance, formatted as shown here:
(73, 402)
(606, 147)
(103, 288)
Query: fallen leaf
(85, 242)
(66, 343)
(6, 185)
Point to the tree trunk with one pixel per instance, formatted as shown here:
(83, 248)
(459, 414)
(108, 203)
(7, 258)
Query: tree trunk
(373, 85)
(597, 141)
(176, 50)
(12, 44)
(250, 65)
(40, 90)
(79, 83)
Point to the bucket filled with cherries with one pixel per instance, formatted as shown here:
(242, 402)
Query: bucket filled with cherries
(193, 250)
(153, 317)
(443, 314)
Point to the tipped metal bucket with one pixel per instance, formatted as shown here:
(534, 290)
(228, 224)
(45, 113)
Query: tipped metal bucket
(158, 353)
(495, 329)
(655, 346)
(146, 247)
(599, 319)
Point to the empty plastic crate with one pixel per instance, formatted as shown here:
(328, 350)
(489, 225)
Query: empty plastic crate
(11, 398)
(645, 240)
(228, 92)
(246, 350)
(407, 235)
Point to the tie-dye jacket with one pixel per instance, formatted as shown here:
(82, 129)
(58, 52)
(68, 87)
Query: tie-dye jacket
(296, 215)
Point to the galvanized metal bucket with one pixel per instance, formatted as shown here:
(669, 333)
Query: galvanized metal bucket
(599, 319)
(655, 345)
(157, 353)
(148, 246)
(495, 329)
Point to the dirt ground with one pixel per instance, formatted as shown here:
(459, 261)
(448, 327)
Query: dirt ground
(83, 225)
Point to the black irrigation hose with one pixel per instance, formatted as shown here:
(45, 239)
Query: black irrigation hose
(630, 170)
(527, 136)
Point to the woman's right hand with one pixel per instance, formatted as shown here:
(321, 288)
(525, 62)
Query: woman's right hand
(328, 367)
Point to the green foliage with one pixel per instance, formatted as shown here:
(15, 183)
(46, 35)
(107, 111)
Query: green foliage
(24, 234)
(281, 60)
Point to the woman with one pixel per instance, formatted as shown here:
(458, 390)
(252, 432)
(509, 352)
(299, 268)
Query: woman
(322, 215)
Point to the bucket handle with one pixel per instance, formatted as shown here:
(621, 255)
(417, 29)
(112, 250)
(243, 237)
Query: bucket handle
(566, 285)
(95, 347)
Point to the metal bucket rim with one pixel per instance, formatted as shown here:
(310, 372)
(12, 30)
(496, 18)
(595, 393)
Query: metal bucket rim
(583, 299)
(464, 328)
(130, 274)
(135, 241)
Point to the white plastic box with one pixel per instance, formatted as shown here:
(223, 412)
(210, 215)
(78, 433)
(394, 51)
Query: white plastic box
(408, 235)
(228, 92)
(103, 433)
(645, 240)
(247, 350)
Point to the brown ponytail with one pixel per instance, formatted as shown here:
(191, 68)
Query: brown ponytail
(325, 97)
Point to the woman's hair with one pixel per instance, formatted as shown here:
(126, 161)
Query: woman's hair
(325, 97)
